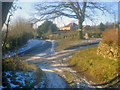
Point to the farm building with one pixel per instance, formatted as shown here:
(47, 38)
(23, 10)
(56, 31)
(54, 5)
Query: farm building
(73, 26)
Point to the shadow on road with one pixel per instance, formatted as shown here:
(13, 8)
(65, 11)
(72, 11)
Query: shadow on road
(35, 50)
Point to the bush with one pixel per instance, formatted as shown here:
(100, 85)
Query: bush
(16, 64)
(95, 35)
(110, 37)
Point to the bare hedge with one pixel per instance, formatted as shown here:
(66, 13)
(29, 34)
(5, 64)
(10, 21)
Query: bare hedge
(19, 33)
(110, 37)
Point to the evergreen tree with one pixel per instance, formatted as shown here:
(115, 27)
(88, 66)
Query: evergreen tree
(102, 27)
(46, 27)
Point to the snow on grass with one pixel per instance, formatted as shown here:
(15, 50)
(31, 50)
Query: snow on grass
(17, 76)
(8, 73)
(8, 79)
(31, 43)
(1, 87)
(18, 79)
(91, 41)
(13, 85)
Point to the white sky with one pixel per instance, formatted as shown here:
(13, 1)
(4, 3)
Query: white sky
(28, 8)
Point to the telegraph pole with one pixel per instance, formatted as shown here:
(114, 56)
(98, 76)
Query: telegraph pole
(114, 21)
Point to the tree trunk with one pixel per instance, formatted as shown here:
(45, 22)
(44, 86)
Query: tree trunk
(81, 19)
(80, 27)
(16, 47)
(5, 9)
(4, 44)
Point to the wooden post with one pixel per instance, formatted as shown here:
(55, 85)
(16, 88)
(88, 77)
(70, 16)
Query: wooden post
(0, 44)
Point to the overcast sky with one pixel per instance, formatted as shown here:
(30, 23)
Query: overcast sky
(27, 12)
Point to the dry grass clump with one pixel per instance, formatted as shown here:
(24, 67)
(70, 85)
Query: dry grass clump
(16, 64)
(110, 37)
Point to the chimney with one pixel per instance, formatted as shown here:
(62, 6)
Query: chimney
(31, 25)
(72, 24)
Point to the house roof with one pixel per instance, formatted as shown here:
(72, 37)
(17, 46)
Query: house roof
(71, 24)
(75, 25)
(86, 26)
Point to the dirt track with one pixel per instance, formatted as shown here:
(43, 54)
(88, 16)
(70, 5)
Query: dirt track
(53, 64)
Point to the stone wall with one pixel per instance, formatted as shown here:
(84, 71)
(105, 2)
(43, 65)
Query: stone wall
(110, 52)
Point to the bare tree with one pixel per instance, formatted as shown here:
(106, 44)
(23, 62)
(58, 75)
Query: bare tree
(76, 10)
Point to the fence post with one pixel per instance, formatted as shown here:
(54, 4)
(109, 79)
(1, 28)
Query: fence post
(0, 44)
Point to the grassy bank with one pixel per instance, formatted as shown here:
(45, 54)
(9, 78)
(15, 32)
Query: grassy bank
(87, 61)
(62, 44)
(65, 44)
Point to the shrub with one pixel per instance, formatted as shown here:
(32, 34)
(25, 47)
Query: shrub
(16, 64)
(95, 35)
(110, 37)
